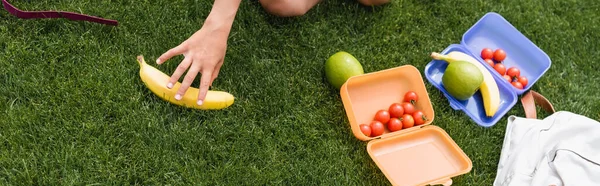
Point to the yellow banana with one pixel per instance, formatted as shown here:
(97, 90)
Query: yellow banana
(489, 88)
(157, 81)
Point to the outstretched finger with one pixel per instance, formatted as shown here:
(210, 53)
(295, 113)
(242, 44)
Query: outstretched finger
(187, 81)
(183, 66)
(204, 83)
(170, 53)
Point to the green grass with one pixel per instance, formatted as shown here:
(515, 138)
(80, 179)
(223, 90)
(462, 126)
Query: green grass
(74, 111)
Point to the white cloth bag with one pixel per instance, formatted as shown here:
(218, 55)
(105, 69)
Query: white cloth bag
(562, 149)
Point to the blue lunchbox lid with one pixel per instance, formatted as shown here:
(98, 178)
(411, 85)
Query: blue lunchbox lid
(493, 31)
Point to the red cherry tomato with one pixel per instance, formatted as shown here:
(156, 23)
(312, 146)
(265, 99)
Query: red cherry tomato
(382, 116)
(377, 128)
(487, 53)
(500, 68)
(508, 78)
(365, 129)
(513, 72)
(396, 110)
(407, 121)
(411, 97)
(490, 62)
(523, 81)
(419, 117)
(518, 85)
(394, 125)
(408, 108)
(499, 55)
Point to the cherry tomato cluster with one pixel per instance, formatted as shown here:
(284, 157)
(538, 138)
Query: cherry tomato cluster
(512, 74)
(398, 116)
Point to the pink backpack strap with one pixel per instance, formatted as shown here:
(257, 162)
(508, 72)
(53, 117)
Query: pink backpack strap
(55, 14)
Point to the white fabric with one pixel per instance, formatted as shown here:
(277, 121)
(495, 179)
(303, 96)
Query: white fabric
(562, 149)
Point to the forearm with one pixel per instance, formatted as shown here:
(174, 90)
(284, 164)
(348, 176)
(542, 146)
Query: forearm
(222, 14)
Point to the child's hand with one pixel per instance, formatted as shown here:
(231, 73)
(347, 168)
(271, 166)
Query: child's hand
(204, 52)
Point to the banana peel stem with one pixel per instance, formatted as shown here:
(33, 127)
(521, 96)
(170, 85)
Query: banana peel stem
(140, 60)
(437, 56)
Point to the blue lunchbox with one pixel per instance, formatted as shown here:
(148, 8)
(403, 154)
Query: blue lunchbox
(493, 31)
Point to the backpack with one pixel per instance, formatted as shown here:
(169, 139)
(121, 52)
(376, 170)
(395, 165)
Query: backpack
(561, 149)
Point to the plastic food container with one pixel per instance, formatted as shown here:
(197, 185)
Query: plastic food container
(419, 155)
(493, 31)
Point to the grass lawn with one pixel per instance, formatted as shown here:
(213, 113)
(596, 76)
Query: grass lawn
(74, 111)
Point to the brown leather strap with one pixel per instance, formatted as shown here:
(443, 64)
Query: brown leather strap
(531, 99)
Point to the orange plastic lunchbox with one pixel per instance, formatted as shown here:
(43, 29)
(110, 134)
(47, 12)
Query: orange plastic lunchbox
(419, 155)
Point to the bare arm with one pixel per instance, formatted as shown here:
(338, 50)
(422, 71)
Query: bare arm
(204, 51)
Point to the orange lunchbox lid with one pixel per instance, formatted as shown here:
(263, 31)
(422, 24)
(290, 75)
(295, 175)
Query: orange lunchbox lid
(420, 155)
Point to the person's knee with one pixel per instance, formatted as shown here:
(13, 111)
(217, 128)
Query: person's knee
(285, 8)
